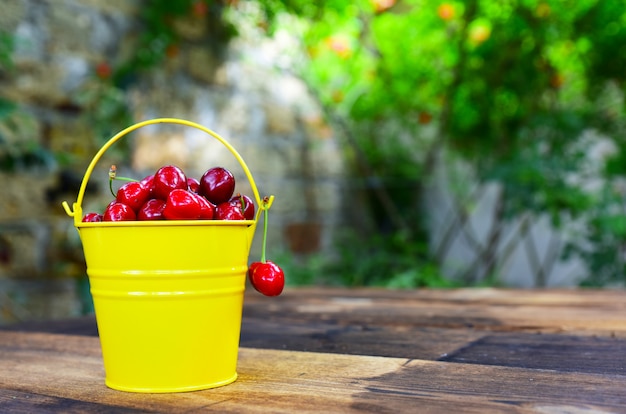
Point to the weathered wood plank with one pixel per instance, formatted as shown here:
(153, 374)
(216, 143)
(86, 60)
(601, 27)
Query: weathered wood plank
(428, 324)
(354, 339)
(564, 353)
(590, 312)
(561, 352)
(64, 373)
(259, 331)
(16, 402)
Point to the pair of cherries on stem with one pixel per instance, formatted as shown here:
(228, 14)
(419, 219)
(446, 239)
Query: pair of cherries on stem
(266, 276)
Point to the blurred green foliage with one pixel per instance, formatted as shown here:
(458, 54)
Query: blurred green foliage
(385, 260)
(159, 39)
(508, 87)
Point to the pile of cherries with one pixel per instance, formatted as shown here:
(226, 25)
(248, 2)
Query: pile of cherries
(169, 194)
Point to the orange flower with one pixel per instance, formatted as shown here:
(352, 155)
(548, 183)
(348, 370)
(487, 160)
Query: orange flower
(382, 5)
(199, 8)
(337, 96)
(340, 46)
(424, 117)
(445, 11)
(172, 50)
(103, 70)
(557, 80)
(479, 33)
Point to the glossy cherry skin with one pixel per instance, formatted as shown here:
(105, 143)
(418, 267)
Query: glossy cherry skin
(228, 211)
(117, 211)
(166, 179)
(207, 209)
(182, 205)
(193, 184)
(217, 185)
(148, 182)
(247, 203)
(92, 218)
(152, 210)
(267, 278)
(134, 194)
(251, 269)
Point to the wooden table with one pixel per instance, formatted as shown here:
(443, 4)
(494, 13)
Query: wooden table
(362, 350)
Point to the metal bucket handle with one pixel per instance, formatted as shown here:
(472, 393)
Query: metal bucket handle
(76, 210)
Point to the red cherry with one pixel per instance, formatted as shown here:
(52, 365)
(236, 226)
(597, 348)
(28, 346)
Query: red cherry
(92, 218)
(207, 209)
(217, 185)
(228, 211)
(151, 210)
(133, 194)
(267, 278)
(251, 269)
(166, 179)
(148, 182)
(247, 203)
(181, 205)
(193, 184)
(117, 211)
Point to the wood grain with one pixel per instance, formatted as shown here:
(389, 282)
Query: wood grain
(571, 330)
(63, 373)
(591, 312)
(581, 312)
(563, 353)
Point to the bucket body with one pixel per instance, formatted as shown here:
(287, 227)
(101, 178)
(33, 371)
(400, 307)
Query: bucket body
(168, 295)
(168, 300)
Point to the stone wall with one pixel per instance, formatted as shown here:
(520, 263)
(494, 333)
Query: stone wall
(263, 112)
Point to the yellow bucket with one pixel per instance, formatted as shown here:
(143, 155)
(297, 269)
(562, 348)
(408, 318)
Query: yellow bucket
(168, 295)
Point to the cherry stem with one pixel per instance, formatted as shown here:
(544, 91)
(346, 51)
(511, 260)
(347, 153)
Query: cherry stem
(113, 176)
(265, 208)
(243, 203)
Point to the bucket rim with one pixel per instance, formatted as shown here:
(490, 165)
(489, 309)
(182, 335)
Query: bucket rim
(168, 223)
